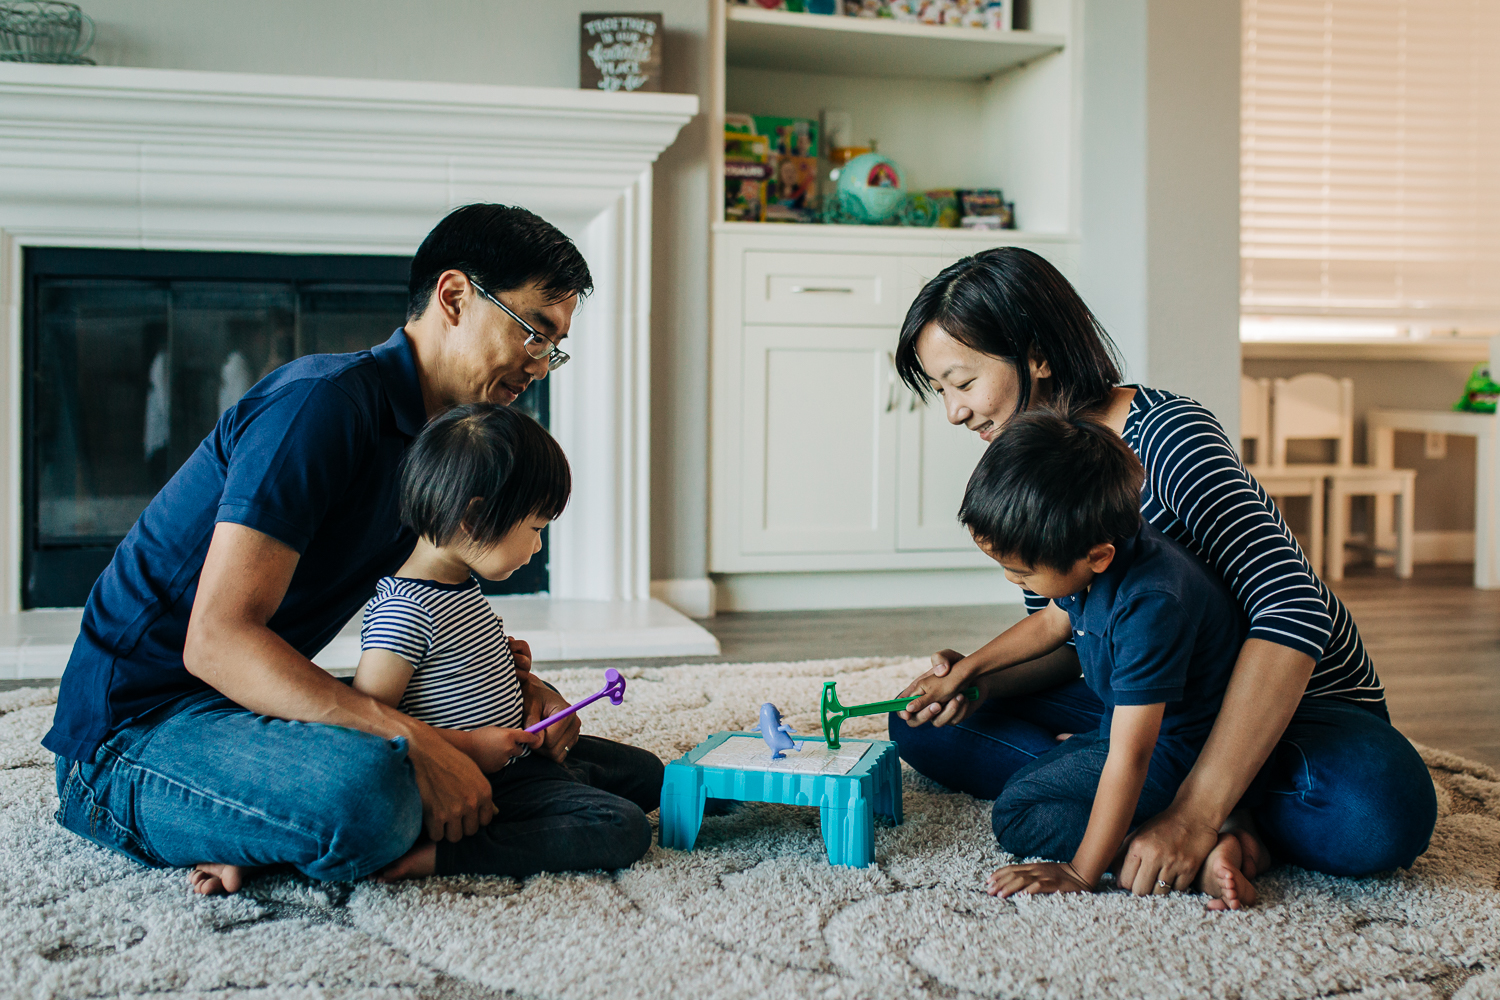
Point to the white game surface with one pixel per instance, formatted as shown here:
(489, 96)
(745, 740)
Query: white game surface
(750, 753)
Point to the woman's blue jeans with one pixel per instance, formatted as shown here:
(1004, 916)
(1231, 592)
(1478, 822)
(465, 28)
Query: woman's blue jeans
(204, 780)
(1342, 793)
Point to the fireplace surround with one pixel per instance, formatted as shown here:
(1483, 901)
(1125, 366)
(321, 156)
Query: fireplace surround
(179, 160)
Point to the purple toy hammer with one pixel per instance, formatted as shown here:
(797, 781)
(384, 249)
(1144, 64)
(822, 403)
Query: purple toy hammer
(614, 687)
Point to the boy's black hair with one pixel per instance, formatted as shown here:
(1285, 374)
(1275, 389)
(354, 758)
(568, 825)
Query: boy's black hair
(1011, 303)
(1051, 487)
(479, 470)
(502, 248)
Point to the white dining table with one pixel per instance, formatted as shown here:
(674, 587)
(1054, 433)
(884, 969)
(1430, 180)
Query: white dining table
(1485, 427)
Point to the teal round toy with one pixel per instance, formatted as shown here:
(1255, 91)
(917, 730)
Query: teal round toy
(876, 183)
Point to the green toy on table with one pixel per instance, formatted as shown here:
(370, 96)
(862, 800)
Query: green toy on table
(834, 714)
(1480, 393)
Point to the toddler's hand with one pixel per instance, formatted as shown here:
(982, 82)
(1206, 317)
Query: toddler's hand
(520, 651)
(494, 746)
(1039, 879)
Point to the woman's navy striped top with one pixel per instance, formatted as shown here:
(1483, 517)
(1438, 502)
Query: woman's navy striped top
(1198, 492)
(463, 674)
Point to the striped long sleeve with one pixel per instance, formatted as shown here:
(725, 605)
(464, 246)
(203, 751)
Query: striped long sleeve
(1198, 493)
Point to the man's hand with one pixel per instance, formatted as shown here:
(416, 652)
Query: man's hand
(942, 702)
(1170, 846)
(1039, 879)
(456, 796)
(541, 701)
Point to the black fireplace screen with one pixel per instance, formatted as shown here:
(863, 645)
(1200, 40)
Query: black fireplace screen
(130, 357)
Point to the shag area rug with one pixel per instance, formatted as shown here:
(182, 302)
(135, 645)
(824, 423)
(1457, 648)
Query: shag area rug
(754, 911)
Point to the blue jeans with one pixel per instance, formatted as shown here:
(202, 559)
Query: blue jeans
(1342, 793)
(1044, 809)
(204, 780)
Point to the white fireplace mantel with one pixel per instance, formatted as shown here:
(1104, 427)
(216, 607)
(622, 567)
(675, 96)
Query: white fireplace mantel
(169, 159)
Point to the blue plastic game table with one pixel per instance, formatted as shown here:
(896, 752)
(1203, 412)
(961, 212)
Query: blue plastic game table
(847, 803)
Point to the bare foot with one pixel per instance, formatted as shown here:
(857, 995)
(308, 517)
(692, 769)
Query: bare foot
(1222, 876)
(419, 862)
(1257, 859)
(216, 880)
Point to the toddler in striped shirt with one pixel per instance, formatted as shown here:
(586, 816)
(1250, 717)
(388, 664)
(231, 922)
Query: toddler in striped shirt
(478, 486)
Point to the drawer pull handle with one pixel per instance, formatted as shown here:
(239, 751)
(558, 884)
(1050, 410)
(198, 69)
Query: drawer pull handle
(815, 290)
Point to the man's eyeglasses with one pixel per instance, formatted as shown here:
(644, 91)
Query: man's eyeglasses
(536, 345)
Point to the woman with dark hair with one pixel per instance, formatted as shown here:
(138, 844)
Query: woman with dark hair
(1302, 764)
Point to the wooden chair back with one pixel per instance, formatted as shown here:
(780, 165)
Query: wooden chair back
(1255, 419)
(1312, 406)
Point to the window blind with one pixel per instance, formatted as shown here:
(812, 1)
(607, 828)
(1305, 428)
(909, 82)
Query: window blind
(1370, 159)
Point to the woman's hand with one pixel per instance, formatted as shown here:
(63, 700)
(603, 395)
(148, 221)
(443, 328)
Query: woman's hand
(1039, 879)
(541, 701)
(1171, 847)
(942, 702)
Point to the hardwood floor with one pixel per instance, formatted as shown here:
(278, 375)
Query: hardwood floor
(1435, 640)
(1436, 644)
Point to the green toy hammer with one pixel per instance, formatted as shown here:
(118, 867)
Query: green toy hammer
(834, 714)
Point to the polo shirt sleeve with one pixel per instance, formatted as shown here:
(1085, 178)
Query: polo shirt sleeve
(290, 457)
(1152, 641)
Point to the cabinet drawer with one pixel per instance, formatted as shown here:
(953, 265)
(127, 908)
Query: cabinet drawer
(822, 289)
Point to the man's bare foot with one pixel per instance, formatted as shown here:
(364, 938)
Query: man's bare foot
(419, 862)
(1223, 878)
(216, 880)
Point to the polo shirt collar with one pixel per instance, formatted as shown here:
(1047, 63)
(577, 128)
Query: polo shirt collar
(397, 366)
(1098, 600)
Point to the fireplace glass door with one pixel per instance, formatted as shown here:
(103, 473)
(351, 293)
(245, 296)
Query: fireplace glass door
(131, 356)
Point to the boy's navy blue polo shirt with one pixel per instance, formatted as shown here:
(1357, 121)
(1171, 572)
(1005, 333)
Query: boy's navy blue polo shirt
(1158, 626)
(310, 456)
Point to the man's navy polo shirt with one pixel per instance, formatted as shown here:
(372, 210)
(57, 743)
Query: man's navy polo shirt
(310, 456)
(1158, 626)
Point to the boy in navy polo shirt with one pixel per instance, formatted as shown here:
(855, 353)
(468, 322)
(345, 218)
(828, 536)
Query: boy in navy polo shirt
(1056, 501)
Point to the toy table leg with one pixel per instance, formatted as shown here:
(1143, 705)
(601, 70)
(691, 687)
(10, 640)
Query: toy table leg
(887, 776)
(849, 829)
(682, 798)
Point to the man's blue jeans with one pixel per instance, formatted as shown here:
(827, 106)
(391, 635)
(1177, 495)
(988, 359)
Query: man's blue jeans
(1343, 792)
(204, 780)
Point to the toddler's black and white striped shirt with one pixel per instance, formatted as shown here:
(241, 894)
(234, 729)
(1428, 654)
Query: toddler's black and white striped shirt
(463, 676)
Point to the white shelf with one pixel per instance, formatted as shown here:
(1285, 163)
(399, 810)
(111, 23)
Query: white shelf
(979, 237)
(833, 45)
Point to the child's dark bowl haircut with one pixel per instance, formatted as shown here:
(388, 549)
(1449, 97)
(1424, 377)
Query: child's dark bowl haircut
(479, 470)
(1050, 488)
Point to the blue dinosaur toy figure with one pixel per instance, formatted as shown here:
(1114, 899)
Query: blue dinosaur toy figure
(774, 731)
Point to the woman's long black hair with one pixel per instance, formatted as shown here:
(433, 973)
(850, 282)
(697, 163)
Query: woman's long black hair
(1011, 303)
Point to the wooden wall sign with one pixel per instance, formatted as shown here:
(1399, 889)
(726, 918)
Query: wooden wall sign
(620, 52)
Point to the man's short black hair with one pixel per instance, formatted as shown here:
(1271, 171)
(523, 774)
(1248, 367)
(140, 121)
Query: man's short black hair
(502, 248)
(1051, 487)
(479, 470)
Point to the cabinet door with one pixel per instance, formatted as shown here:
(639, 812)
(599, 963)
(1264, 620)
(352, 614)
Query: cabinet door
(819, 440)
(933, 466)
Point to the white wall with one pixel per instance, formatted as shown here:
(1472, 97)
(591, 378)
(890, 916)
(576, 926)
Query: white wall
(1160, 191)
(528, 42)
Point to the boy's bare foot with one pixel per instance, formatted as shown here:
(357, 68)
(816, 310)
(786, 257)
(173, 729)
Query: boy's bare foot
(419, 862)
(1257, 859)
(216, 880)
(1222, 876)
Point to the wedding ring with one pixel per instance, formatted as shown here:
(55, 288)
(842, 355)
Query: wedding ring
(1162, 887)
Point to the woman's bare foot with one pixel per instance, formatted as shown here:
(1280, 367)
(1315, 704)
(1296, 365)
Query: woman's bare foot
(216, 880)
(419, 862)
(1222, 875)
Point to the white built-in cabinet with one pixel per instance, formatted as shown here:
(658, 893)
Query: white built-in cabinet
(820, 458)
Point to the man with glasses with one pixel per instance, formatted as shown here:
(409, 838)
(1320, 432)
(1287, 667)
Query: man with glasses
(192, 727)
